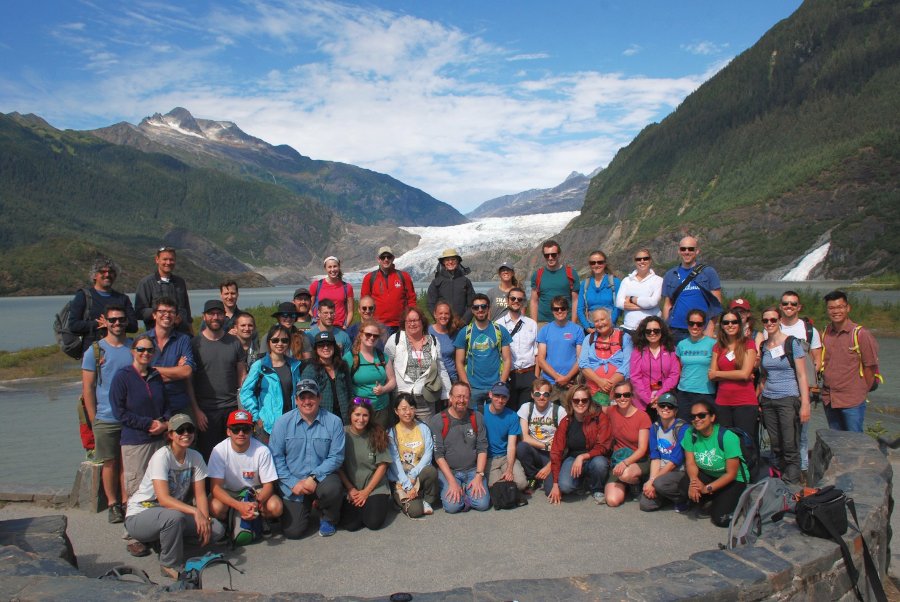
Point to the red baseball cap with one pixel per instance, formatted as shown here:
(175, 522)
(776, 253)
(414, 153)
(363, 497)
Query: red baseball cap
(239, 417)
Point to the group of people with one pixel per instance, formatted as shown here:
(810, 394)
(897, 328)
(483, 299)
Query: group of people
(618, 388)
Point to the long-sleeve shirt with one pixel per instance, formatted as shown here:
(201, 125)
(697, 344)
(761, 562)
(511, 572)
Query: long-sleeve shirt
(646, 293)
(153, 287)
(597, 435)
(137, 402)
(300, 449)
(87, 327)
(651, 375)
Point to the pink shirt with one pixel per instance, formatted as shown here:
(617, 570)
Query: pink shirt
(653, 375)
(337, 293)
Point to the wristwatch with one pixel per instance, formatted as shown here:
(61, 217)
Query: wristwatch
(313, 477)
(709, 489)
(546, 447)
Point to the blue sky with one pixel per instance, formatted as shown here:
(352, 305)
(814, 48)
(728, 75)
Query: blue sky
(465, 100)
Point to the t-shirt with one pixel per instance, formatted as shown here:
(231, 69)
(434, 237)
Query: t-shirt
(360, 461)
(113, 359)
(164, 467)
(710, 458)
(448, 352)
(337, 292)
(562, 346)
(696, 358)
(410, 445)
(483, 357)
(216, 375)
(626, 429)
(735, 392)
(463, 443)
(781, 380)
(499, 427)
(692, 297)
(553, 284)
(541, 425)
(251, 468)
(367, 375)
(498, 302)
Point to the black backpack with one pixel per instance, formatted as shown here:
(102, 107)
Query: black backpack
(506, 496)
(749, 450)
(69, 342)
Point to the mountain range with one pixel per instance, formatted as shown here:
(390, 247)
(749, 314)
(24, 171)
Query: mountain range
(793, 144)
(567, 196)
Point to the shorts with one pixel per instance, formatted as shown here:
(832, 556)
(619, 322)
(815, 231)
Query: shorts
(106, 440)
(135, 459)
(645, 472)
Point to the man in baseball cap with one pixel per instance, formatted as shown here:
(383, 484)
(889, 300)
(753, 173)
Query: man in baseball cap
(503, 430)
(238, 463)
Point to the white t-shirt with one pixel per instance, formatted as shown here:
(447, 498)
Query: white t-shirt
(541, 425)
(164, 467)
(251, 468)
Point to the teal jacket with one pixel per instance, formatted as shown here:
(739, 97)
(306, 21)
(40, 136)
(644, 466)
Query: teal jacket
(261, 391)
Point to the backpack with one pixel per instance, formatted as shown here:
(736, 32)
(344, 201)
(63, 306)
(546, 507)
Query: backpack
(85, 428)
(242, 531)
(69, 342)
(379, 357)
(761, 504)
(788, 346)
(615, 339)
(498, 342)
(315, 306)
(446, 418)
(749, 450)
(192, 576)
(540, 274)
(506, 496)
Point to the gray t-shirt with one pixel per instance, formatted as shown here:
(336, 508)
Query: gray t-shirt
(360, 462)
(462, 445)
(216, 376)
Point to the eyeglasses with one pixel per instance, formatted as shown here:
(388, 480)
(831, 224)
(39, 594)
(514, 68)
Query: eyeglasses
(550, 255)
(540, 393)
(699, 416)
(479, 306)
(597, 262)
(515, 299)
(371, 335)
(622, 395)
(560, 308)
(187, 429)
(695, 324)
(651, 331)
(580, 400)
(730, 322)
(165, 312)
(280, 340)
(687, 248)
(366, 309)
(642, 258)
(413, 320)
(240, 428)
(117, 320)
(143, 349)
(790, 303)
(665, 406)
(770, 320)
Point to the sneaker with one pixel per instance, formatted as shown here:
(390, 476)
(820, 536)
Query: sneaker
(532, 484)
(682, 508)
(138, 549)
(326, 529)
(599, 497)
(427, 509)
(167, 571)
(115, 514)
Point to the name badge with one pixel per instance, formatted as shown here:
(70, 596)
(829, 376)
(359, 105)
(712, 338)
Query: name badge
(730, 356)
(777, 351)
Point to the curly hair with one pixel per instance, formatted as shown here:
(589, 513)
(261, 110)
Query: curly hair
(665, 335)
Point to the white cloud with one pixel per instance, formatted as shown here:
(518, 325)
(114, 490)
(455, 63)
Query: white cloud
(632, 50)
(529, 57)
(704, 48)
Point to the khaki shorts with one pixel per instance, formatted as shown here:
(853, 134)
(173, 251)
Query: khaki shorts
(106, 440)
(134, 463)
(645, 472)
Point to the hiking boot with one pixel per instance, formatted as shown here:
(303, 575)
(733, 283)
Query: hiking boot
(427, 509)
(138, 549)
(599, 497)
(167, 571)
(115, 514)
(326, 529)
(682, 507)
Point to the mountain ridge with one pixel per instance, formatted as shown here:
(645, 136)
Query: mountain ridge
(565, 196)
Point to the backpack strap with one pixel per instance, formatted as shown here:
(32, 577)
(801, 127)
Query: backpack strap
(98, 360)
(530, 411)
(743, 462)
(571, 278)
(537, 280)
(809, 329)
(446, 428)
(695, 271)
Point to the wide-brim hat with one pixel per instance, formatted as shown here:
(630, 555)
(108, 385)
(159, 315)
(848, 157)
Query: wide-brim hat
(450, 254)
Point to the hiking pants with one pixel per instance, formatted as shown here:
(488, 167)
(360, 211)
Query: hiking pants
(781, 417)
(171, 527)
(723, 501)
(668, 488)
(295, 518)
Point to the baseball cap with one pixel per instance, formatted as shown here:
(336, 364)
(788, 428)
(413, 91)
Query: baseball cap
(179, 420)
(500, 388)
(285, 308)
(506, 266)
(213, 304)
(324, 336)
(667, 399)
(239, 417)
(302, 291)
(741, 303)
(385, 249)
(307, 385)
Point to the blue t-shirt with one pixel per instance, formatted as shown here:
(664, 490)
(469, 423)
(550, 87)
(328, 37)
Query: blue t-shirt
(781, 381)
(553, 284)
(448, 352)
(114, 359)
(498, 428)
(562, 343)
(483, 357)
(696, 359)
(693, 296)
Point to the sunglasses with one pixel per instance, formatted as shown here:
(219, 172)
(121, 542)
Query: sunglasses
(695, 324)
(240, 428)
(165, 250)
(560, 308)
(699, 416)
(117, 320)
(622, 395)
(280, 340)
(550, 255)
(580, 399)
(371, 335)
(362, 401)
(479, 306)
(665, 406)
(597, 262)
(642, 258)
(289, 316)
(187, 429)
(653, 331)
(367, 309)
(770, 320)
(143, 349)
(540, 394)
(687, 248)
(383, 257)
(790, 303)
(516, 299)
(730, 322)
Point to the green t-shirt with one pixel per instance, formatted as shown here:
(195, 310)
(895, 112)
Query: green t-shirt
(367, 376)
(707, 454)
(360, 462)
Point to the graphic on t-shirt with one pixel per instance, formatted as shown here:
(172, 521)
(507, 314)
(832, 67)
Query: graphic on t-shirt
(180, 482)
(482, 343)
(709, 458)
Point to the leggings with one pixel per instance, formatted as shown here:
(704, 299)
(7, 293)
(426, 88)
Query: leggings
(723, 501)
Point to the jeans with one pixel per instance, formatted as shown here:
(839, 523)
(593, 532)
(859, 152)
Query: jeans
(466, 501)
(532, 459)
(593, 474)
(781, 418)
(846, 419)
(478, 399)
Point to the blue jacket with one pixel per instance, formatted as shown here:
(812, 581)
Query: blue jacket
(261, 392)
(137, 402)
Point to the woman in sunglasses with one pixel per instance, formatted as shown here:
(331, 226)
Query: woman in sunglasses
(733, 361)
(268, 390)
(372, 372)
(598, 290)
(785, 394)
(630, 428)
(139, 402)
(161, 508)
(655, 368)
(579, 449)
(712, 465)
(695, 354)
(640, 292)
(366, 460)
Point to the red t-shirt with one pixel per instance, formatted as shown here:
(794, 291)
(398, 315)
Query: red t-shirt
(735, 392)
(625, 431)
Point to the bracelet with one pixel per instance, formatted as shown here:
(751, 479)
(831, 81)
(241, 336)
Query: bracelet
(625, 462)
